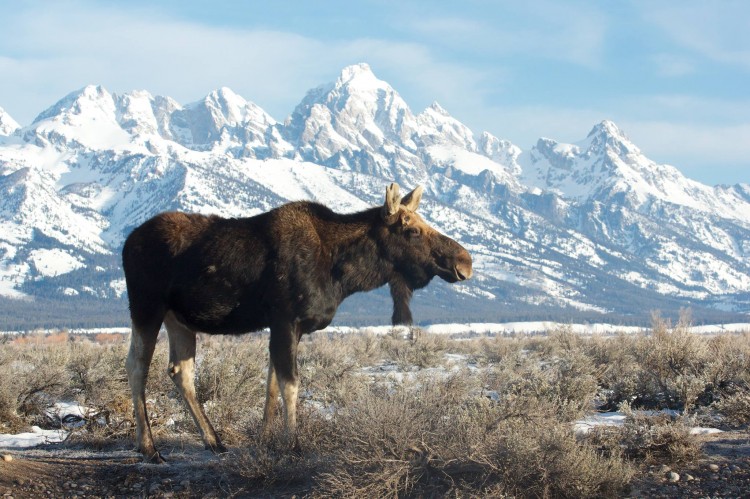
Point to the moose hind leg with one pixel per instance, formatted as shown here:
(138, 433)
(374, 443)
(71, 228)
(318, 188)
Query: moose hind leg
(182, 371)
(142, 345)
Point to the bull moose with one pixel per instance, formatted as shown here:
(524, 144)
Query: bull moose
(287, 269)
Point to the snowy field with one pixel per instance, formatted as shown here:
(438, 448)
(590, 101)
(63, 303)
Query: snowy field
(469, 329)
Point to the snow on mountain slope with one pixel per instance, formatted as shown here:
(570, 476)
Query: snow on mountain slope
(7, 124)
(357, 123)
(589, 228)
(86, 118)
(607, 164)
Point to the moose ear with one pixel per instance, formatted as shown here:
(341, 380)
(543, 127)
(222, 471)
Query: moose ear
(392, 202)
(411, 200)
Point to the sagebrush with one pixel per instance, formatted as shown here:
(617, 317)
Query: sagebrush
(413, 414)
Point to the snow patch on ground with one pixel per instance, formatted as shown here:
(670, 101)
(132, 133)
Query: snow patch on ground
(36, 436)
(585, 425)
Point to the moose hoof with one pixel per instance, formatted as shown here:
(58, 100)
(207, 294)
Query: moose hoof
(296, 448)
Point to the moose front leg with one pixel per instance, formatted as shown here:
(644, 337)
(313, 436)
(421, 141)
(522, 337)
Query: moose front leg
(401, 294)
(283, 357)
(272, 400)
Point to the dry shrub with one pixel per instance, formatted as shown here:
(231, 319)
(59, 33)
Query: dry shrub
(489, 350)
(99, 382)
(230, 382)
(45, 373)
(619, 374)
(328, 368)
(383, 447)
(268, 464)
(653, 437)
(674, 365)
(425, 350)
(38, 379)
(547, 461)
(416, 441)
(568, 382)
(734, 409)
(670, 368)
(365, 347)
(10, 419)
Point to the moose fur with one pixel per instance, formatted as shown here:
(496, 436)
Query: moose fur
(287, 269)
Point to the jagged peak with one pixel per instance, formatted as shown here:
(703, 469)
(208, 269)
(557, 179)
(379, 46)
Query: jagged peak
(608, 135)
(359, 77)
(72, 101)
(93, 91)
(487, 137)
(357, 71)
(226, 94)
(7, 124)
(139, 94)
(609, 129)
(437, 108)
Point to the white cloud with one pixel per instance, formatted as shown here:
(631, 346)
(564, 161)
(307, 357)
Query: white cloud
(65, 47)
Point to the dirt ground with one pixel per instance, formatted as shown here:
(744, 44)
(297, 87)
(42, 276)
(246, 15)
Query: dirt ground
(114, 470)
(59, 470)
(722, 471)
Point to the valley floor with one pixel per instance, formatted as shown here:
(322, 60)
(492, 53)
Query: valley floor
(405, 413)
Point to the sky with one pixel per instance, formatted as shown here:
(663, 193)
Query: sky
(674, 75)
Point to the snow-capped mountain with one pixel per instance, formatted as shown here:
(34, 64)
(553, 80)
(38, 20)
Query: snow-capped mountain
(7, 124)
(559, 230)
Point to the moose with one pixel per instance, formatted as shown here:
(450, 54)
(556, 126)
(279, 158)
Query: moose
(287, 269)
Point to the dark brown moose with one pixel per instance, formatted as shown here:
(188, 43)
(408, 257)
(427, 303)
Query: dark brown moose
(287, 269)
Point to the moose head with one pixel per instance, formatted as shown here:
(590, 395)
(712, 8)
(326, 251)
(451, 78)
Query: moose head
(417, 251)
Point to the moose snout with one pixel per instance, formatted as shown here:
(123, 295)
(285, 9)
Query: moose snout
(463, 265)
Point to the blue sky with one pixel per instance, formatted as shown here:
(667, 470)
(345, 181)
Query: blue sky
(674, 75)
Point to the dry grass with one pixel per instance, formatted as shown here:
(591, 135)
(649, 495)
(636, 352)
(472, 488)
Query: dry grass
(397, 416)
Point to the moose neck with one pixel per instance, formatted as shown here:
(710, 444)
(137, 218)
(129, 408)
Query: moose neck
(356, 261)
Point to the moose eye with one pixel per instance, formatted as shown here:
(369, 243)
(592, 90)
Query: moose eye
(411, 232)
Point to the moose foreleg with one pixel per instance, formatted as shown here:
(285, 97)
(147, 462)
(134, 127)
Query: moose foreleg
(272, 400)
(283, 353)
(142, 345)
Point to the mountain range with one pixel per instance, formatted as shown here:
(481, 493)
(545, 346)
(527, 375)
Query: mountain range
(591, 231)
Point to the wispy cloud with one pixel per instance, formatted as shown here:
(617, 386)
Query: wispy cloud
(487, 65)
(717, 31)
(671, 65)
(569, 32)
(59, 48)
(710, 153)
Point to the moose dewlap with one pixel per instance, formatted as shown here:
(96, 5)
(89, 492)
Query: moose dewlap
(288, 269)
